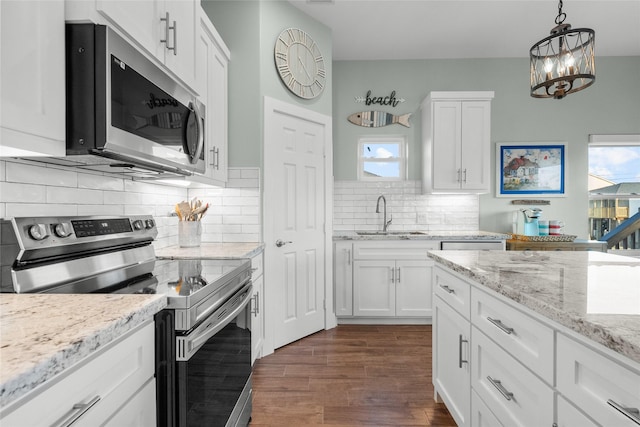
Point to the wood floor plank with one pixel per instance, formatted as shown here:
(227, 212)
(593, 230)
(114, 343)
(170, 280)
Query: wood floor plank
(350, 376)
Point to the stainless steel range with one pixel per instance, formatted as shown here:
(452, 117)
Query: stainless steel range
(203, 338)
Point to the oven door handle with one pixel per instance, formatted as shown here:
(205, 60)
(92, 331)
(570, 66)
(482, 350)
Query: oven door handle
(188, 345)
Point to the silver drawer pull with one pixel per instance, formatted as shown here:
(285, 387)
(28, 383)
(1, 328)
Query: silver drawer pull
(448, 289)
(499, 324)
(460, 361)
(632, 413)
(498, 384)
(78, 410)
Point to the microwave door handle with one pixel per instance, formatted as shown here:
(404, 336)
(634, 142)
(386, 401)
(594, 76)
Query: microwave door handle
(200, 126)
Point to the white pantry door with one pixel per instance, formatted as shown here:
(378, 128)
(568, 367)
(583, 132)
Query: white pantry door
(295, 210)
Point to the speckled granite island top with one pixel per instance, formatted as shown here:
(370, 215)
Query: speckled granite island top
(419, 235)
(212, 251)
(592, 293)
(41, 335)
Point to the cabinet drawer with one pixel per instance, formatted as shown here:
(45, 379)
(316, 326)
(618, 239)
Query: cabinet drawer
(394, 249)
(114, 375)
(513, 393)
(598, 384)
(453, 290)
(256, 266)
(481, 415)
(526, 339)
(569, 416)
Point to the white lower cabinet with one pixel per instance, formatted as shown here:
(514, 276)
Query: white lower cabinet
(570, 416)
(383, 279)
(257, 308)
(343, 278)
(451, 352)
(606, 389)
(115, 387)
(496, 363)
(511, 391)
(481, 415)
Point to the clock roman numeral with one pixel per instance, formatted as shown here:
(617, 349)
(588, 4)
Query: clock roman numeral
(282, 56)
(283, 41)
(284, 70)
(291, 33)
(319, 84)
(322, 72)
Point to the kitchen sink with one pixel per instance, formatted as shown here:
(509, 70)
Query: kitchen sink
(388, 233)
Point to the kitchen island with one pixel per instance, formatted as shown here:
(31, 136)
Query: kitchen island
(44, 337)
(536, 338)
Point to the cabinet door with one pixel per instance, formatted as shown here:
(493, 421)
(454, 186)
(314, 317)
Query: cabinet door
(181, 59)
(475, 139)
(447, 118)
(211, 84)
(374, 288)
(343, 278)
(413, 288)
(451, 373)
(140, 19)
(257, 318)
(32, 79)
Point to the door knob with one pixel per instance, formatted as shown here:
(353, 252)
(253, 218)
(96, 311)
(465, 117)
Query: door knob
(280, 243)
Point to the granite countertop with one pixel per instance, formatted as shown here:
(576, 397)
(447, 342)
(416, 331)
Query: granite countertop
(230, 250)
(41, 335)
(595, 294)
(419, 235)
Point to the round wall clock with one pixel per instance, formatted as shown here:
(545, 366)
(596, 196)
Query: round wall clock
(300, 63)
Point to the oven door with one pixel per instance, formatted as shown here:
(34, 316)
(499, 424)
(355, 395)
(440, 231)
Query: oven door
(213, 368)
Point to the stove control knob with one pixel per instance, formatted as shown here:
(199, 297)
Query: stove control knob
(149, 224)
(38, 232)
(63, 229)
(138, 225)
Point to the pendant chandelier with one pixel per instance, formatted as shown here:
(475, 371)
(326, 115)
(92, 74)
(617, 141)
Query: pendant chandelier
(564, 62)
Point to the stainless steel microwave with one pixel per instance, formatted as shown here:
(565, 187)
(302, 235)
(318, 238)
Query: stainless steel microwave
(125, 112)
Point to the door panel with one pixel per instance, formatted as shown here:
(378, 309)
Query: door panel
(295, 215)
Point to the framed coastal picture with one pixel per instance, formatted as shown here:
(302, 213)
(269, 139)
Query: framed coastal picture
(530, 169)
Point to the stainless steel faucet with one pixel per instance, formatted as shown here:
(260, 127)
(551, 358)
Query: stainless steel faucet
(385, 223)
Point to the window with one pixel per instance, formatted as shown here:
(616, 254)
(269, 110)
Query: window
(614, 183)
(382, 158)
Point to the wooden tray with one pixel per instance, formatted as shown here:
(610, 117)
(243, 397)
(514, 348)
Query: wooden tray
(549, 238)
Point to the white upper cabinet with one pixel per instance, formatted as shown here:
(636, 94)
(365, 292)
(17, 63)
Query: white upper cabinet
(456, 142)
(212, 60)
(32, 79)
(165, 29)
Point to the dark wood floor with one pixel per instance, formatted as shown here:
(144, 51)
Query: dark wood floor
(352, 375)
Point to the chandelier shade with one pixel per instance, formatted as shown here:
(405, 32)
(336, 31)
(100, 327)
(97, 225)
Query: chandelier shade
(564, 62)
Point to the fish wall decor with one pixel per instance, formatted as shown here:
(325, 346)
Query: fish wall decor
(376, 119)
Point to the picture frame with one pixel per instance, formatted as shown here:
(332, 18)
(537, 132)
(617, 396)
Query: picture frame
(530, 169)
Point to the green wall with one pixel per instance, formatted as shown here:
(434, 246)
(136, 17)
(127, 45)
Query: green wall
(611, 105)
(249, 29)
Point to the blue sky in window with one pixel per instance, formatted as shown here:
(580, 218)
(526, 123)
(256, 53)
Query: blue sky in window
(617, 164)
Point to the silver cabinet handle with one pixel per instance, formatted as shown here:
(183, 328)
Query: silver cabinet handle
(78, 410)
(500, 325)
(280, 243)
(460, 361)
(348, 251)
(168, 28)
(459, 175)
(448, 289)
(398, 278)
(465, 176)
(632, 413)
(393, 275)
(498, 384)
(216, 152)
(256, 301)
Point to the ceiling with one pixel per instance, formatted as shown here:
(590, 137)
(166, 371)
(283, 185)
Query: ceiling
(426, 29)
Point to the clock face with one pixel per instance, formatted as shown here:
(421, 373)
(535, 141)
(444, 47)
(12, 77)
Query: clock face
(300, 63)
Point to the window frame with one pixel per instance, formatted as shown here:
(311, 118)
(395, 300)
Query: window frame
(402, 158)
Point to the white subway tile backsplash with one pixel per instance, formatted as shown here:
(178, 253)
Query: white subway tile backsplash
(28, 189)
(355, 206)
